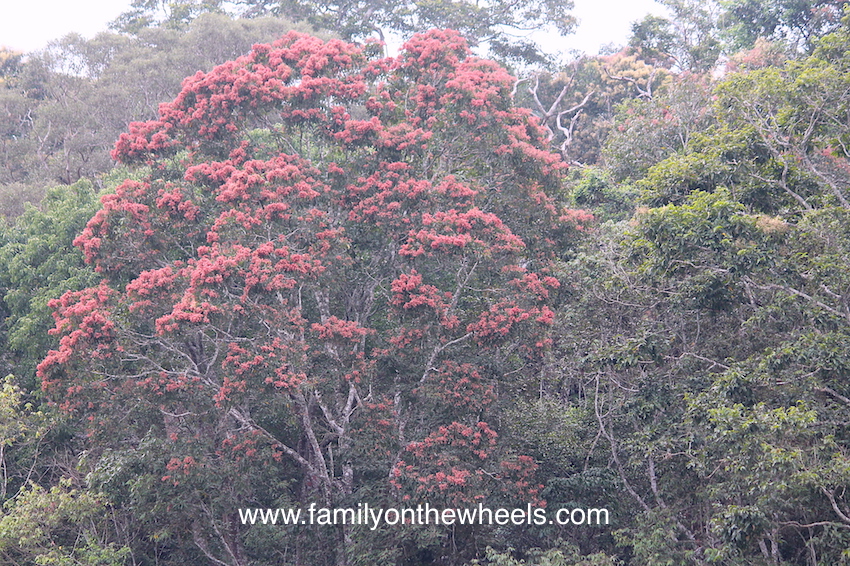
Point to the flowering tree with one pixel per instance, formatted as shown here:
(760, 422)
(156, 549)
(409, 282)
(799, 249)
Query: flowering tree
(327, 261)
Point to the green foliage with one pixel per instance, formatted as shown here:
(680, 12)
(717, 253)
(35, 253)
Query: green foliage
(10, 65)
(39, 263)
(60, 526)
(564, 555)
(656, 540)
(647, 131)
(796, 114)
(689, 41)
(654, 38)
(708, 345)
(593, 188)
(21, 426)
(711, 230)
(797, 23)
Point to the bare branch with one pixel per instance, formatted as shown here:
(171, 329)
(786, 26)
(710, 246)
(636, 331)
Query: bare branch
(833, 393)
(831, 496)
(642, 92)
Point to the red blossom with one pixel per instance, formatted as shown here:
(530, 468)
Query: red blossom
(331, 243)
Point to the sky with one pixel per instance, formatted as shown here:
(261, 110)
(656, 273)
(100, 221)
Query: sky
(28, 25)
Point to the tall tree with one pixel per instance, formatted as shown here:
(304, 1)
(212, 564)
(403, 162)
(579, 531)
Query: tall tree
(688, 40)
(318, 265)
(797, 23)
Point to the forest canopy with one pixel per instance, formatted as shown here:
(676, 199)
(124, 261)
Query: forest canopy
(249, 264)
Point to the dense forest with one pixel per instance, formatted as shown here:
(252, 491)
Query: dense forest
(251, 258)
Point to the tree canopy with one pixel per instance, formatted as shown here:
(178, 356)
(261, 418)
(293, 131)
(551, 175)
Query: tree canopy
(315, 248)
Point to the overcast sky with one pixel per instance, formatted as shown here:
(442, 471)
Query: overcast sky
(27, 25)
